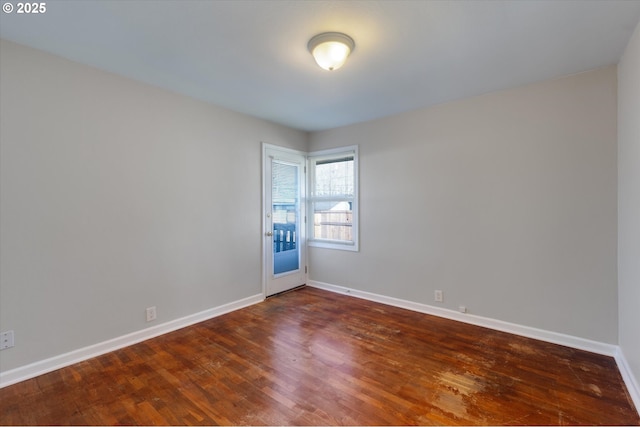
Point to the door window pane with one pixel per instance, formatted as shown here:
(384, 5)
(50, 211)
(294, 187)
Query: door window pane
(285, 214)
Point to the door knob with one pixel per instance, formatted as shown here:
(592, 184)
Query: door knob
(268, 233)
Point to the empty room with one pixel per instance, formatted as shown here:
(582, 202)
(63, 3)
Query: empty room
(275, 212)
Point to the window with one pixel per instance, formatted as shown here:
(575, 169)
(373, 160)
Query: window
(333, 198)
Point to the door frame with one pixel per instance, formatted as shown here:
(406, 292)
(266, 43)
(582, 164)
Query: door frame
(295, 279)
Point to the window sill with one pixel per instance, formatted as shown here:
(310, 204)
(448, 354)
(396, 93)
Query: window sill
(332, 244)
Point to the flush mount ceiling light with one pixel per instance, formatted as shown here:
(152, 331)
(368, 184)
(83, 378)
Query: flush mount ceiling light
(331, 50)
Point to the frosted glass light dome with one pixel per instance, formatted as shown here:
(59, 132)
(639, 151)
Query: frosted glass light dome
(330, 50)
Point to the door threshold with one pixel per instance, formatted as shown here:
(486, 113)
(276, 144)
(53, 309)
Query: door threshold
(287, 291)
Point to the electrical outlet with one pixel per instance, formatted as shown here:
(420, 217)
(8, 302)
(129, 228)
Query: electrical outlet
(6, 340)
(151, 314)
(462, 309)
(437, 296)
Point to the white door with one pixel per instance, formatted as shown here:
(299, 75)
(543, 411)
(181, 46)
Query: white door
(284, 236)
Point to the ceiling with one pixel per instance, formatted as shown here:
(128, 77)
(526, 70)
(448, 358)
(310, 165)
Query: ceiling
(251, 56)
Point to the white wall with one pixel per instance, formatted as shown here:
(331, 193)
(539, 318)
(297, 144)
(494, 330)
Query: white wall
(116, 196)
(506, 202)
(629, 203)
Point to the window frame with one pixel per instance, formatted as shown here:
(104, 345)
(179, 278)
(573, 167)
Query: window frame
(322, 155)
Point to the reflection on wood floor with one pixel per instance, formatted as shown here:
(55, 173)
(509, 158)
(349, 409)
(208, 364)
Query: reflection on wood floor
(311, 357)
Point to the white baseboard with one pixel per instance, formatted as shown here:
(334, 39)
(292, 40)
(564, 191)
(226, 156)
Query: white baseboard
(629, 379)
(526, 331)
(513, 328)
(42, 367)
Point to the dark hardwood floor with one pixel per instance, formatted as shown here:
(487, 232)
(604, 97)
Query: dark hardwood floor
(311, 357)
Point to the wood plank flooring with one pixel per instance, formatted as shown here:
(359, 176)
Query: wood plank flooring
(311, 357)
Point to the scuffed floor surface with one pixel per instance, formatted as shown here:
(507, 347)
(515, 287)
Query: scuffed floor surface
(312, 357)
